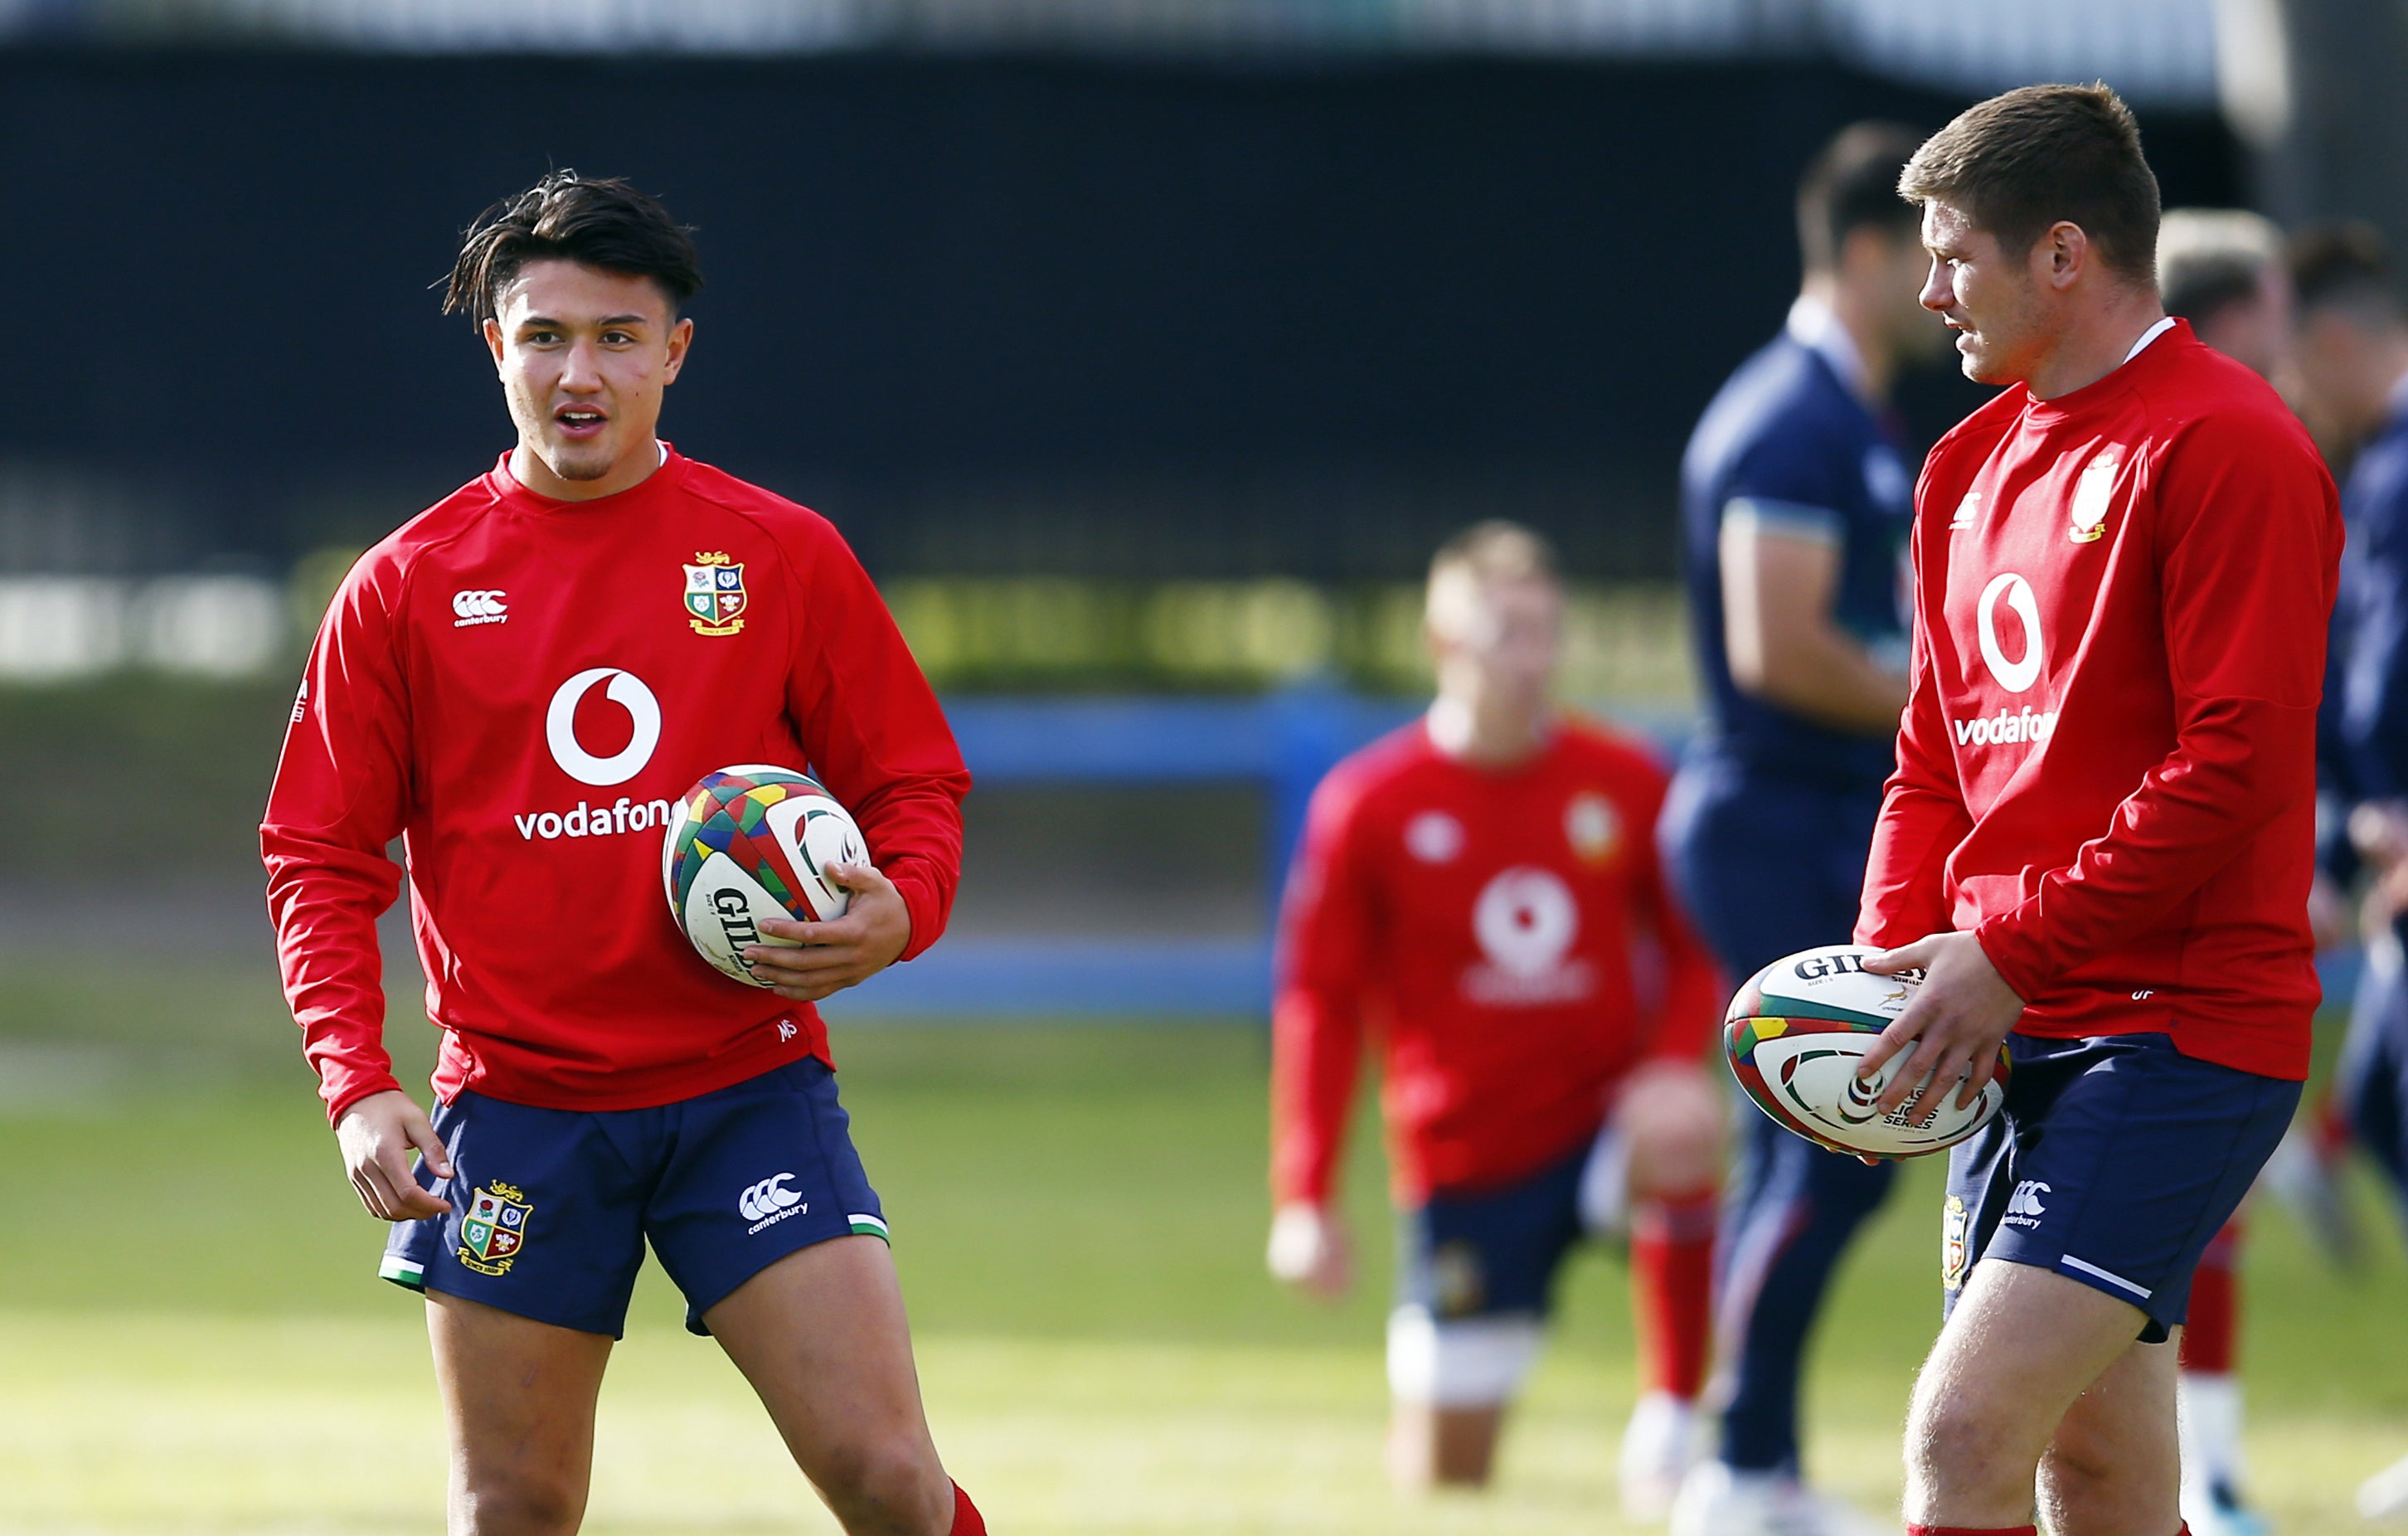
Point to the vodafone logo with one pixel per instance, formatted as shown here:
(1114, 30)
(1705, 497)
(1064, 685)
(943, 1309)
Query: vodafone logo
(1525, 919)
(623, 689)
(2013, 676)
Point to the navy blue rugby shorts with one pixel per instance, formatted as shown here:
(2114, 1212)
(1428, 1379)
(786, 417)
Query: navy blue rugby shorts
(551, 1209)
(1492, 1252)
(2116, 1160)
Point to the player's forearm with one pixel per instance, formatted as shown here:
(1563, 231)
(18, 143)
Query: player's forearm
(1905, 895)
(926, 887)
(2236, 765)
(324, 898)
(912, 824)
(1820, 671)
(2375, 738)
(1315, 1052)
(337, 996)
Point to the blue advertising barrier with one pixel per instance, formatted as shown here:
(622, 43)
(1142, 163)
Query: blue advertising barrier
(1283, 742)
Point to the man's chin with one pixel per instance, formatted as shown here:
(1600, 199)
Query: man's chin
(1980, 367)
(580, 464)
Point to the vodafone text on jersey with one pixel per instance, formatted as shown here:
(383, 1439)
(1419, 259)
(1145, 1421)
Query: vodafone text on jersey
(628, 692)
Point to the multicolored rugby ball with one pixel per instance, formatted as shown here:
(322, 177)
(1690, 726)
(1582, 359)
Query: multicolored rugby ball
(1797, 1030)
(748, 844)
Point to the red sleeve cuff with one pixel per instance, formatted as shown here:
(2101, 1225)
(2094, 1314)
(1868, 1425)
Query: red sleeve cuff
(354, 1090)
(1302, 1187)
(921, 899)
(2013, 953)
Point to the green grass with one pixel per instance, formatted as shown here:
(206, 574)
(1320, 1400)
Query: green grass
(191, 1339)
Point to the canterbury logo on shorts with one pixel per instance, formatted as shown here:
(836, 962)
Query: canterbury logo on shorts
(770, 1201)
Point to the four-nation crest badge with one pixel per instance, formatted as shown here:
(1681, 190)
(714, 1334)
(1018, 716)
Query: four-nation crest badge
(715, 593)
(1955, 1232)
(494, 1229)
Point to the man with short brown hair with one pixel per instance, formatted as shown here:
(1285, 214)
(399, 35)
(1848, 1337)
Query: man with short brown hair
(1477, 898)
(2099, 839)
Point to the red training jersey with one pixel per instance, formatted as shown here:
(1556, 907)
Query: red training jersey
(521, 689)
(2107, 768)
(1506, 935)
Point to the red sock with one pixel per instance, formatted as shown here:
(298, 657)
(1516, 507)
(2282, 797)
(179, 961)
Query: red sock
(966, 1515)
(1671, 1283)
(1913, 1529)
(2332, 1130)
(2209, 1334)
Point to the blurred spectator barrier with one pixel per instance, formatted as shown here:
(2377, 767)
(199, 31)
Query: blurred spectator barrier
(60, 628)
(1622, 642)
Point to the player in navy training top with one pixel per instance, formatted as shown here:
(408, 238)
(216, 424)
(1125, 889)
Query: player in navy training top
(1794, 510)
(2353, 358)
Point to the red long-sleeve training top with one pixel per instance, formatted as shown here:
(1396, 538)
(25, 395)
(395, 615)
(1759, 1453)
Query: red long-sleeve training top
(1505, 933)
(519, 689)
(2107, 769)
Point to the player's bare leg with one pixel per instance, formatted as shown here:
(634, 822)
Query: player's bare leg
(821, 1335)
(1429, 1446)
(2022, 1345)
(1670, 1118)
(2114, 1465)
(517, 1399)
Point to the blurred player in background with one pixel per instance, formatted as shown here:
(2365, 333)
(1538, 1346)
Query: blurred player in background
(526, 646)
(2100, 838)
(2353, 357)
(1795, 508)
(1479, 894)
(2223, 270)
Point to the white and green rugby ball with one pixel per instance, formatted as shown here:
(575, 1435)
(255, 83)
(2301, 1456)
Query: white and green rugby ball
(1796, 1034)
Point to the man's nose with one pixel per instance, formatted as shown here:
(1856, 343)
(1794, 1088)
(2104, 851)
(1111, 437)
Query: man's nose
(581, 371)
(1939, 288)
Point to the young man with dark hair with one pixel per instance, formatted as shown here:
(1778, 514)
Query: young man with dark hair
(1794, 506)
(1478, 893)
(2099, 839)
(526, 657)
(2352, 348)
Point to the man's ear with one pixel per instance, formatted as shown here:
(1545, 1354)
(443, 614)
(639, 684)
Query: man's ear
(681, 337)
(2068, 252)
(493, 329)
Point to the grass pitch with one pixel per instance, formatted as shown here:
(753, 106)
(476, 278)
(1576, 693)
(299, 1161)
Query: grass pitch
(192, 1338)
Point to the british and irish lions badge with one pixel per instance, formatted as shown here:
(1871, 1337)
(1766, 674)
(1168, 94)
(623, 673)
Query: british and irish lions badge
(495, 1229)
(715, 593)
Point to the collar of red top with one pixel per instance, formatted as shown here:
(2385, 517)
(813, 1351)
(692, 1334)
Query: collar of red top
(507, 487)
(2176, 337)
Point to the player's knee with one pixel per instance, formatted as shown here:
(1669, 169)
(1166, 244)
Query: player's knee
(1958, 1443)
(2080, 1479)
(518, 1502)
(1674, 1161)
(889, 1488)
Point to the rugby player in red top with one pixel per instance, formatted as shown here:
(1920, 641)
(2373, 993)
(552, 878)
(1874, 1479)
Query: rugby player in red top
(1479, 893)
(515, 686)
(2100, 836)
